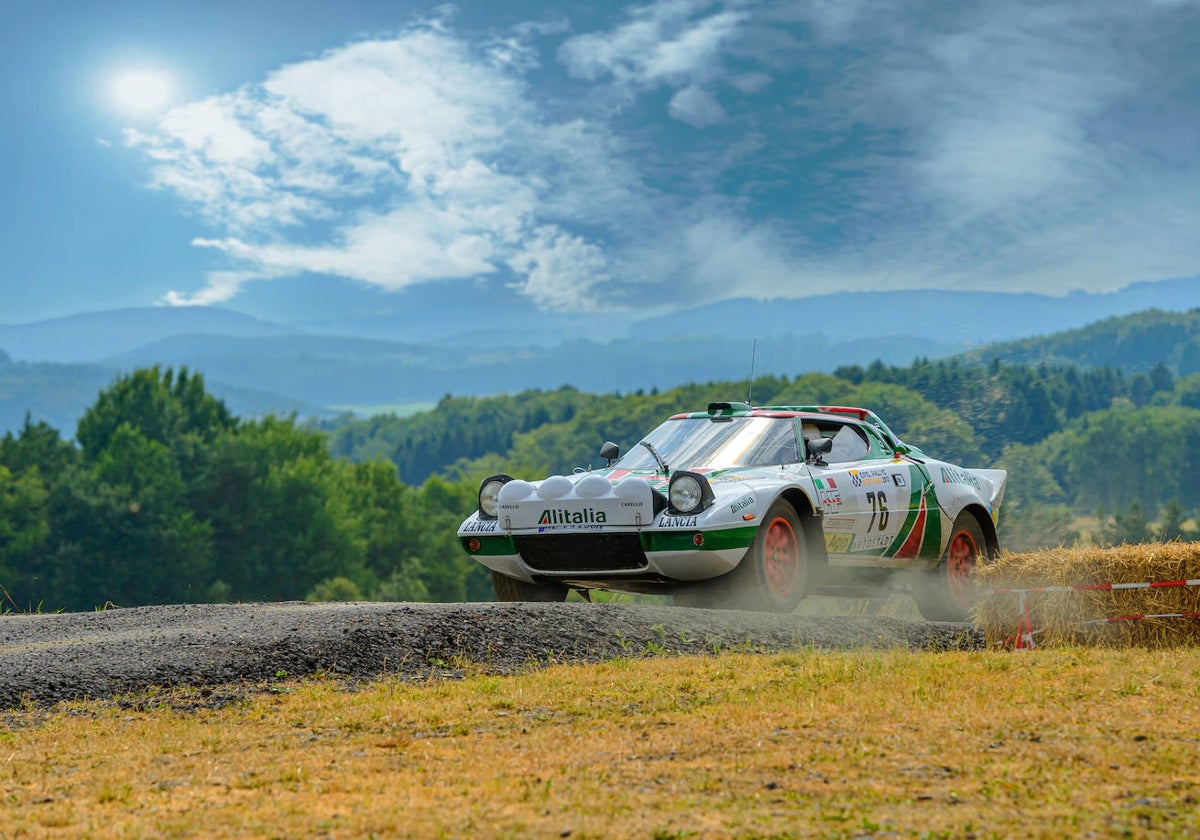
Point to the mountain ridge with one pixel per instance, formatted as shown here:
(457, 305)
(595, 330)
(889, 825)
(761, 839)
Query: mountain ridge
(261, 366)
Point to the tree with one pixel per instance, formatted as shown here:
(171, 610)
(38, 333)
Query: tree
(38, 445)
(24, 528)
(281, 521)
(1130, 525)
(168, 408)
(1171, 526)
(125, 533)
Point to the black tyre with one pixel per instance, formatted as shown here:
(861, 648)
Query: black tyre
(511, 589)
(949, 591)
(772, 577)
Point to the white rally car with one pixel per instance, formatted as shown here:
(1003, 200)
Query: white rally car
(749, 508)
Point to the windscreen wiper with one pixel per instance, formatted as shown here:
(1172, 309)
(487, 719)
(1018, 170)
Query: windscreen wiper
(666, 470)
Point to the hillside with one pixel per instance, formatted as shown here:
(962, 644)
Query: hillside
(1137, 342)
(954, 317)
(95, 336)
(267, 368)
(58, 394)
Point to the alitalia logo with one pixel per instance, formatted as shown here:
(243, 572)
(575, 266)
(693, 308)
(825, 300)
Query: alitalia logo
(563, 516)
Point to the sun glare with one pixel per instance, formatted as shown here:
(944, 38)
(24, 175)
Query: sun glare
(141, 91)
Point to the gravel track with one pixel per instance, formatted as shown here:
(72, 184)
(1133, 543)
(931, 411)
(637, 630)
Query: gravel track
(72, 656)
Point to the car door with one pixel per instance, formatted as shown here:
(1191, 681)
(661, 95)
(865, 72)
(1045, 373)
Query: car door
(866, 495)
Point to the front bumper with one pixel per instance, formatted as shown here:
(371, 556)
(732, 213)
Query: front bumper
(611, 555)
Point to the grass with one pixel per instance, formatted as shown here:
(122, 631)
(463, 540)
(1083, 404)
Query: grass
(996, 744)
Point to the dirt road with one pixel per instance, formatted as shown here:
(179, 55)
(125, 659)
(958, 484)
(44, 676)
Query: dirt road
(48, 658)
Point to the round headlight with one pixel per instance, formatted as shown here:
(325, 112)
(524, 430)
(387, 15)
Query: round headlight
(487, 496)
(686, 494)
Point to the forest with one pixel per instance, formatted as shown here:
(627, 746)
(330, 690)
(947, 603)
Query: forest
(164, 496)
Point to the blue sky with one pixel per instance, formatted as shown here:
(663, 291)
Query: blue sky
(290, 158)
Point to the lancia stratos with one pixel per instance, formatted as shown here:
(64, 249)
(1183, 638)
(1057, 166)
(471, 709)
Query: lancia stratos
(747, 507)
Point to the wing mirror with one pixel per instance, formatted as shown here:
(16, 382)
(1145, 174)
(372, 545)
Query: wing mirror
(610, 452)
(818, 447)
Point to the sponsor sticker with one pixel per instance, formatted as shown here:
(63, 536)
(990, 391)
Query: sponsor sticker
(574, 529)
(838, 543)
(829, 500)
(869, 543)
(953, 475)
(868, 478)
(566, 516)
(678, 521)
(839, 523)
(741, 504)
(481, 526)
(899, 480)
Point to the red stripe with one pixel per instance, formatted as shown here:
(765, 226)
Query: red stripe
(912, 545)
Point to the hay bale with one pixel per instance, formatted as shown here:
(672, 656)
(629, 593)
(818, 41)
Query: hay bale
(1081, 617)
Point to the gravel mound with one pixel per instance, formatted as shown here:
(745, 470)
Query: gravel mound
(71, 656)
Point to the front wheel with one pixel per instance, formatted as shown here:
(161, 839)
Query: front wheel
(949, 591)
(773, 575)
(511, 589)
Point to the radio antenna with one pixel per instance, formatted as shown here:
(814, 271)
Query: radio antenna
(750, 381)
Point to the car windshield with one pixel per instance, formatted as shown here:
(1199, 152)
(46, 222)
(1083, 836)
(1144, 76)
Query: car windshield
(702, 443)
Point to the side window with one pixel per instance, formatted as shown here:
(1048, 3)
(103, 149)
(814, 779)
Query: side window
(880, 448)
(849, 444)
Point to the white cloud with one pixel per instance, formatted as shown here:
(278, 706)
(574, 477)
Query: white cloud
(696, 106)
(394, 162)
(1000, 143)
(221, 287)
(846, 145)
(565, 272)
(664, 43)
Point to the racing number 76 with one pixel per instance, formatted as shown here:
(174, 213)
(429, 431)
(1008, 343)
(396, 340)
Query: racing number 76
(879, 509)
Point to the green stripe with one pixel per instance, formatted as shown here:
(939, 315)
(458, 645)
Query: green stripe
(721, 540)
(931, 546)
(489, 546)
(915, 483)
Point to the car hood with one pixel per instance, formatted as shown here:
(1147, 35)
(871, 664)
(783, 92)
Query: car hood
(608, 497)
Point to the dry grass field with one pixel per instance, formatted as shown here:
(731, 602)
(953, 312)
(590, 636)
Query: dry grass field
(1046, 743)
(1094, 734)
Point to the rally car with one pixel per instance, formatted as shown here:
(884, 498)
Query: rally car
(746, 507)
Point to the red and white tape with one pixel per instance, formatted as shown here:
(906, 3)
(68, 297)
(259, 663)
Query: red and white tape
(1024, 640)
(1095, 587)
(1139, 617)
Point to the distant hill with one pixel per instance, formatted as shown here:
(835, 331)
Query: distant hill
(95, 336)
(1132, 343)
(259, 366)
(60, 393)
(336, 371)
(457, 316)
(952, 317)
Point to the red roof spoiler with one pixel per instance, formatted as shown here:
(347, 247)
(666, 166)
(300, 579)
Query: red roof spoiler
(860, 413)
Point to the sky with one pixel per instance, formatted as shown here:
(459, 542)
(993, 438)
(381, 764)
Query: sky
(289, 159)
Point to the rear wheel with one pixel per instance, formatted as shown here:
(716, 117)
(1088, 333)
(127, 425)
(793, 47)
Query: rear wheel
(511, 589)
(949, 591)
(773, 575)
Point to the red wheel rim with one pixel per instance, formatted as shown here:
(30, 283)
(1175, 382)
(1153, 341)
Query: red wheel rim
(781, 556)
(960, 566)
